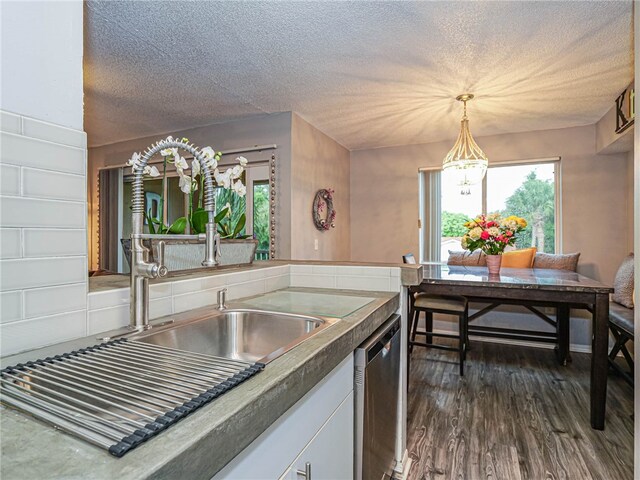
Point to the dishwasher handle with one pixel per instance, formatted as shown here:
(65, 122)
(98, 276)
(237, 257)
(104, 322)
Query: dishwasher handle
(380, 339)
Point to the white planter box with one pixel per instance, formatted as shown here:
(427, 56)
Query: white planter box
(188, 254)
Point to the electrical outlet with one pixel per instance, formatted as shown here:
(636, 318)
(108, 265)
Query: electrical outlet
(315, 244)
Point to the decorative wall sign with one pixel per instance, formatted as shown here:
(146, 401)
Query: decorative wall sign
(324, 215)
(625, 112)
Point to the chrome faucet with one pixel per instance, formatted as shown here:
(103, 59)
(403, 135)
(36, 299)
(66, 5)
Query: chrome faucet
(141, 268)
(222, 298)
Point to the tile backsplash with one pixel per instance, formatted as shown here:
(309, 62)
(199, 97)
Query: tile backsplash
(34, 317)
(43, 241)
(383, 279)
(110, 309)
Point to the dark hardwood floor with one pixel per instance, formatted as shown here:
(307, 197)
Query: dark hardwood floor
(515, 415)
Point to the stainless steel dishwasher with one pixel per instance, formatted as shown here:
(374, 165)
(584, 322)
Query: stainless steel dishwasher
(377, 381)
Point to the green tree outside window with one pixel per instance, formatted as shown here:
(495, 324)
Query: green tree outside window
(453, 224)
(534, 201)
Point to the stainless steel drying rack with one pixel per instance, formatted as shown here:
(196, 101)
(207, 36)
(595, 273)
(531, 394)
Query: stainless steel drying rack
(118, 394)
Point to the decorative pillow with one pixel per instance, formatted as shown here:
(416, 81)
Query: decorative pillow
(566, 261)
(623, 283)
(518, 258)
(468, 259)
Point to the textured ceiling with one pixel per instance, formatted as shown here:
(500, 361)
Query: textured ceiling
(369, 74)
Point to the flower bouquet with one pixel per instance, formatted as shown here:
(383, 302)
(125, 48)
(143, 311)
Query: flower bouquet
(491, 234)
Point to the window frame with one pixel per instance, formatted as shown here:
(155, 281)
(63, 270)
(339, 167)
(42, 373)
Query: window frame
(429, 188)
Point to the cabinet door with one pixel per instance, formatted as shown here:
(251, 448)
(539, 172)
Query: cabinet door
(276, 448)
(330, 451)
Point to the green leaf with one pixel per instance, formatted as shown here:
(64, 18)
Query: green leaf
(221, 214)
(199, 220)
(178, 226)
(152, 229)
(240, 225)
(223, 230)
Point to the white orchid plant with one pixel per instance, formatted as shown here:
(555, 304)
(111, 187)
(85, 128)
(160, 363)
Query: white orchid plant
(229, 179)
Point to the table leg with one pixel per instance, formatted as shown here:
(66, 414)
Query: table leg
(599, 363)
(563, 317)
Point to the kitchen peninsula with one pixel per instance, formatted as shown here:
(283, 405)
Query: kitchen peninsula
(231, 422)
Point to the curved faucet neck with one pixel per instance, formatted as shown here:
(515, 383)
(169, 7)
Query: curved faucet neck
(141, 268)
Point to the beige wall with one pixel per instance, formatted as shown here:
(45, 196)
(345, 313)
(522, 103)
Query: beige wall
(261, 130)
(607, 140)
(318, 162)
(595, 195)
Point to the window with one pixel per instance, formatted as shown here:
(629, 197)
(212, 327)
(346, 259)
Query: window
(258, 208)
(261, 218)
(237, 205)
(529, 190)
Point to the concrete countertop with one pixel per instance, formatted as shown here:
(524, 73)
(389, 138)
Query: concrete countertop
(201, 444)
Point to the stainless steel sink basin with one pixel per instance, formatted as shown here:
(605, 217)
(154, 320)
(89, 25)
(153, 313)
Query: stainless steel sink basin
(241, 334)
(111, 395)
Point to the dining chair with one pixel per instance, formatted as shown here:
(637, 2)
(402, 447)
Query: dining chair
(621, 308)
(622, 328)
(429, 304)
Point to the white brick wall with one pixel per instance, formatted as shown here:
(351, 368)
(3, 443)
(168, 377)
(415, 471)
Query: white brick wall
(43, 242)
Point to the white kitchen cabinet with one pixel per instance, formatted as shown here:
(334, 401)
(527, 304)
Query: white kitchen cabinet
(318, 428)
(329, 454)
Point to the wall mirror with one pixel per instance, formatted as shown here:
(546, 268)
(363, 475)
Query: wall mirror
(114, 203)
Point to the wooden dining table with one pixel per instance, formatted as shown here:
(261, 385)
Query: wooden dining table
(560, 289)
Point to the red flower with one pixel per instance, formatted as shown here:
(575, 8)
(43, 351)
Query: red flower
(484, 235)
(509, 233)
(502, 238)
(491, 224)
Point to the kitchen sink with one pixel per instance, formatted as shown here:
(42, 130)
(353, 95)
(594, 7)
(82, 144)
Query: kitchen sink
(240, 334)
(118, 394)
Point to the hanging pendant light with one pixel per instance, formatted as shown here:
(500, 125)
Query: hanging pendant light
(466, 159)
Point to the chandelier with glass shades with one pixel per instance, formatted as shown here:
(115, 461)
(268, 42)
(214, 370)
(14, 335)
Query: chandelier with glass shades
(466, 159)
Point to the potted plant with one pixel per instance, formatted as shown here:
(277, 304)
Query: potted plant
(491, 234)
(236, 247)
